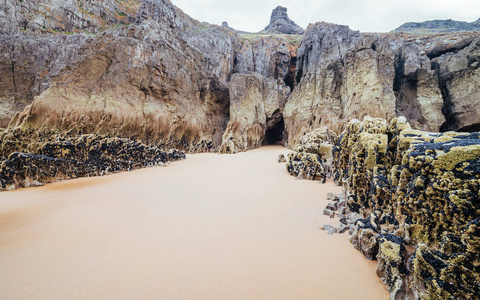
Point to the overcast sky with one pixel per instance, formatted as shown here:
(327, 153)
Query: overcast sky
(365, 15)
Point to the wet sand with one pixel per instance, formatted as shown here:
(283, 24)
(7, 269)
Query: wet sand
(210, 227)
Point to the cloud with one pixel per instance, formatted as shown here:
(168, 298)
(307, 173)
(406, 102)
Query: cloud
(366, 15)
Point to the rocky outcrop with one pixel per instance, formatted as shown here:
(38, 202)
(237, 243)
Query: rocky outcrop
(51, 16)
(417, 196)
(57, 157)
(256, 107)
(281, 23)
(438, 26)
(312, 157)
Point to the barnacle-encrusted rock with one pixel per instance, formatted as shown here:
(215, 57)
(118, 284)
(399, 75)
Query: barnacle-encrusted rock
(311, 158)
(56, 157)
(418, 193)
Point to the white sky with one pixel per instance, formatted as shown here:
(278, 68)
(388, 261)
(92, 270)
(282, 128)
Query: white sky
(364, 15)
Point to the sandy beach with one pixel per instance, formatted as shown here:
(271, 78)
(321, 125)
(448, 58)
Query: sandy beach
(210, 227)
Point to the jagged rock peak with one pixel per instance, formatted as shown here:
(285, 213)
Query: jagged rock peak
(281, 23)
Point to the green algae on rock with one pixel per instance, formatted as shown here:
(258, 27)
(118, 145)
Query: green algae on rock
(311, 158)
(418, 193)
(36, 158)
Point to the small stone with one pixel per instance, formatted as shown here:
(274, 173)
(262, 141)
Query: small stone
(281, 158)
(329, 212)
(328, 228)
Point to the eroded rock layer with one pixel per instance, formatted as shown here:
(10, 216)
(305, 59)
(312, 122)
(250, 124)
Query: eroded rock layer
(417, 194)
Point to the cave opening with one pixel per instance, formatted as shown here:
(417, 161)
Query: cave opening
(275, 134)
(470, 128)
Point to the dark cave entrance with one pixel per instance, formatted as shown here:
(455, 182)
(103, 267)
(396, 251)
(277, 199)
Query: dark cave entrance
(470, 128)
(275, 133)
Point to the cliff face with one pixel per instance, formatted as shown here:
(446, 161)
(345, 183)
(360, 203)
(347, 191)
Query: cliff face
(28, 64)
(40, 16)
(256, 107)
(343, 74)
(145, 82)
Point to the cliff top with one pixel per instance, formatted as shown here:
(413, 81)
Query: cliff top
(436, 26)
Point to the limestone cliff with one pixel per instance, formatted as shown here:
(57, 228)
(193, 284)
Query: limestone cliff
(41, 16)
(343, 74)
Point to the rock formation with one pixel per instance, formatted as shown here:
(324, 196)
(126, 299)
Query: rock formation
(41, 16)
(281, 23)
(343, 74)
(59, 157)
(312, 157)
(416, 196)
(256, 107)
(438, 26)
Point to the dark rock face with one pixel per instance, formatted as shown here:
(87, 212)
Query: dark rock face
(63, 158)
(281, 23)
(438, 26)
(417, 194)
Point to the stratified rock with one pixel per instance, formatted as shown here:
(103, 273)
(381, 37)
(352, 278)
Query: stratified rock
(43, 16)
(418, 195)
(130, 83)
(28, 64)
(281, 23)
(256, 106)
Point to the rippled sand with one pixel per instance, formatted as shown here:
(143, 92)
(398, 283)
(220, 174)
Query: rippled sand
(210, 227)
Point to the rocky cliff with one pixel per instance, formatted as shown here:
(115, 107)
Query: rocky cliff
(343, 74)
(438, 26)
(41, 16)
